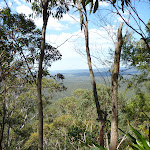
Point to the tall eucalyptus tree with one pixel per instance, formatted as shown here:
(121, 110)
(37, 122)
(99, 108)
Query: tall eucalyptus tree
(115, 74)
(45, 8)
(84, 24)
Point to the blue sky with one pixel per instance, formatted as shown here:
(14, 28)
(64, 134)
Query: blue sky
(67, 36)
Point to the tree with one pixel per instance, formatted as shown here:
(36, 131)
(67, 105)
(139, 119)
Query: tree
(10, 65)
(72, 121)
(136, 54)
(45, 8)
(39, 80)
(20, 44)
(84, 25)
(94, 7)
(114, 121)
(132, 11)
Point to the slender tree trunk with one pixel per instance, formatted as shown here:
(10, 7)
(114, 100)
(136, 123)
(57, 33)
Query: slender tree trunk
(114, 121)
(3, 107)
(8, 131)
(99, 112)
(149, 134)
(39, 80)
(3, 123)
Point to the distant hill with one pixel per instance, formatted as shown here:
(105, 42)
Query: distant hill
(80, 79)
(97, 72)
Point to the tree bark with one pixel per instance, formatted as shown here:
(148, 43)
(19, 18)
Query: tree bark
(3, 123)
(39, 80)
(99, 112)
(3, 107)
(114, 120)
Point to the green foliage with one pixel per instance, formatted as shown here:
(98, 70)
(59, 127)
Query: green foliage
(98, 147)
(138, 142)
(20, 41)
(71, 121)
(55, 8)
(137, 108)
(32, 143)
(19, 52)
(94, 6)
(21, 114)
(136, 54)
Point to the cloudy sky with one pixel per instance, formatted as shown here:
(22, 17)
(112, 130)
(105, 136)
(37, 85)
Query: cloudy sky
(65, 34)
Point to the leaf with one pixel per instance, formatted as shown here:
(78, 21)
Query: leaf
(137, 147)
(95, 6)
(127, 2)
(146, 132)
(129, 136)
(114, 1)
(91, 6)
(74, 1)
(102, 148)
(139, 136)
(87, 2)
(83, 3)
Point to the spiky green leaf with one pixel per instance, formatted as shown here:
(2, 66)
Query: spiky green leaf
(140, 137)
(96, 6)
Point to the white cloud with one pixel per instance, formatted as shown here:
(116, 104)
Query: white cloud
(70, 64)
(17, 2)
(53, 24)
(2, 4)
(62, 24)
(73, 47)
(102, 36)
(10, 4)
(24, 9)
(121, 19)
(103, 4)
(64, 42)
(71, 44)
(72, 19)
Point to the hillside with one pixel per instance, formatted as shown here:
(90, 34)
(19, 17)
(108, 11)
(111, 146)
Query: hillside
(80, 79)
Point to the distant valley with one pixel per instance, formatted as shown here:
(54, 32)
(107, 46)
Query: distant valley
(104, 72)
(80, 79)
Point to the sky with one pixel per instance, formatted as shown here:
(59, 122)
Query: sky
(66, 35)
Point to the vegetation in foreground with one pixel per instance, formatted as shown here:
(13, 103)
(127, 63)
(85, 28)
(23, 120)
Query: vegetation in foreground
(71, 122)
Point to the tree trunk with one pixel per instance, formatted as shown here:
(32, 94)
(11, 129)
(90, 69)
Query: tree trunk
(3, 122)
(99, 112)
(3, 107)
(8, 131)
(39, 80)
(114, 121)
